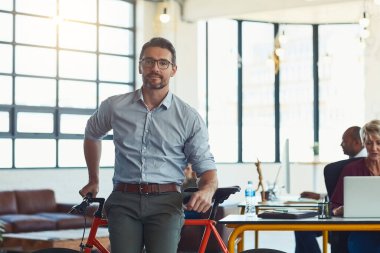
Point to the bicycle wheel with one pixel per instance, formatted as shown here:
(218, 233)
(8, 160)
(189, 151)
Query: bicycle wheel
(56, 250)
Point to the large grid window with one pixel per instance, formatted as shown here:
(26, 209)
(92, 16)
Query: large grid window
(263, 100)
(59, 60)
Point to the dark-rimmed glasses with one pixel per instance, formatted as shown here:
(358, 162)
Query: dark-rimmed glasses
(161, 63)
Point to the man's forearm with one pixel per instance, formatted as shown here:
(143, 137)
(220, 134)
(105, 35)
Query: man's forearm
(92, 153)
(208, 181)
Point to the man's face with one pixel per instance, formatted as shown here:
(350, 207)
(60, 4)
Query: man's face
(349, 145)
(154, 75)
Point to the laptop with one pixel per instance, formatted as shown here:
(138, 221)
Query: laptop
(361, 197)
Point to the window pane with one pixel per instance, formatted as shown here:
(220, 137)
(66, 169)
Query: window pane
(73, 124)
(258, 93)
(223, 119)
(77, 65)
(77, 36)
(70, 153)
(71, 94)
(6, 58)
(35, 153)
(341, 68)
(108, 153)
(122, 13)
(83, 10)
(296, 92)
(32, 122)
(35, 61)
(4, 122)
(6, 30)
(121, 43)
(6, 5)
(106, 90)
(6, 153)
(34, 30)
(6, 90)
(40, 7)
(115, 68)
(44, 90)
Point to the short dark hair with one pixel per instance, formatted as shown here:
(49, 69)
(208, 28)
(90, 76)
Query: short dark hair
(160, 42)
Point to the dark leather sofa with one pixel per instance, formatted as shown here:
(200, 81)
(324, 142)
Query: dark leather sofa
(36, 210)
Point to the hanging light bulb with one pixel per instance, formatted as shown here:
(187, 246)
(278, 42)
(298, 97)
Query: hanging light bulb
(364, 34)
(164, 17)
(364, 21)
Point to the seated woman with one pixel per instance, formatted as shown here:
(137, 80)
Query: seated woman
(368, 242)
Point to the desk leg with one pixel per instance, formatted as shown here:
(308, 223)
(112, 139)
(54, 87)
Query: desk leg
(325, 235)
(256, 239)
(238, 232)
(240, 246)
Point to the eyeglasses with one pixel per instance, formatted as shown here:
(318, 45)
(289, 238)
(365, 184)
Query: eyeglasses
(161, 63)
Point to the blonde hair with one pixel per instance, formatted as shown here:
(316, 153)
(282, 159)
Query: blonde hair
(372, 127)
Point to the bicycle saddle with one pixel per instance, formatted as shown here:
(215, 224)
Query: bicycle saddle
(220, 195)
(223, 193)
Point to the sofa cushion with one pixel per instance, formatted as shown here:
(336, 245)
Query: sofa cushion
(28, 223)
(35, 201)
(66, 221)
(8, 202)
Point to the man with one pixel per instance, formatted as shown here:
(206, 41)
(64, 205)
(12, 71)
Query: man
(155, 135)
(352, 146)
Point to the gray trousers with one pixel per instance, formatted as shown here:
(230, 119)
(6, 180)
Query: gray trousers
(153, 221)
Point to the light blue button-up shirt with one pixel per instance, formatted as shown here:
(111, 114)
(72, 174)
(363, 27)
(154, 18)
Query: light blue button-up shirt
(152, 146)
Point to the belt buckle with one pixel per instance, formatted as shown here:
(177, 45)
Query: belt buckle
(141, 189)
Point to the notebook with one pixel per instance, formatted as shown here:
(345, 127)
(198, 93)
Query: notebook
(361, 197)
(287, 214)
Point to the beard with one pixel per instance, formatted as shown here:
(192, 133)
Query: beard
(155, 86)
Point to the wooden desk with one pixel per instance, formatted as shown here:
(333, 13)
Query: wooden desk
(241, 223)
(69, 238)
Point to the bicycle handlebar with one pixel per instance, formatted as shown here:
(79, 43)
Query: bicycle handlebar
(87, 201)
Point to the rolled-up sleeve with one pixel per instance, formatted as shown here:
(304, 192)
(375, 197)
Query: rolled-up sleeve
(100, 123)
(197, 148)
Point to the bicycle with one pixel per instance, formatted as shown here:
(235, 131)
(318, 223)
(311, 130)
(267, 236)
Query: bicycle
(221, 194)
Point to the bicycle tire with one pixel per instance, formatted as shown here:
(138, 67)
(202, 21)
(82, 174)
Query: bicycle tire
(56, 250)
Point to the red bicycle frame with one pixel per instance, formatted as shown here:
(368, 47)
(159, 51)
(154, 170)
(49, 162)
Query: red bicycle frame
(220, 195)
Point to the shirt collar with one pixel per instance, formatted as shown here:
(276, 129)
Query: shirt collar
(362, 153)
(166, 102)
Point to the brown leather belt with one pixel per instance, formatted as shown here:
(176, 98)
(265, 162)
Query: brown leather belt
(146, 188)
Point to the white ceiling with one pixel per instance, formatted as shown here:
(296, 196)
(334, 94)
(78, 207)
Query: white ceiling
(282, 11)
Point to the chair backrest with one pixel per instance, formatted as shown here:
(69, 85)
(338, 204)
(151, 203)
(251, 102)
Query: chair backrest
(332, 172)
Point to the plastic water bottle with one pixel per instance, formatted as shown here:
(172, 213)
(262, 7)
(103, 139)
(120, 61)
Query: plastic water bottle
(250, 199)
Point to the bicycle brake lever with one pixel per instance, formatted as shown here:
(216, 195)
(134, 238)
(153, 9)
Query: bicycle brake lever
(81, 208)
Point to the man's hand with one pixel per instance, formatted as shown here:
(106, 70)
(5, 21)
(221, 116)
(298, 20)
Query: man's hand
(310, 195)
(90, 187)
(201, 200)
(338, 211)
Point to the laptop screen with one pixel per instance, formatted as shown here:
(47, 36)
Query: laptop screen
(361, 197)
